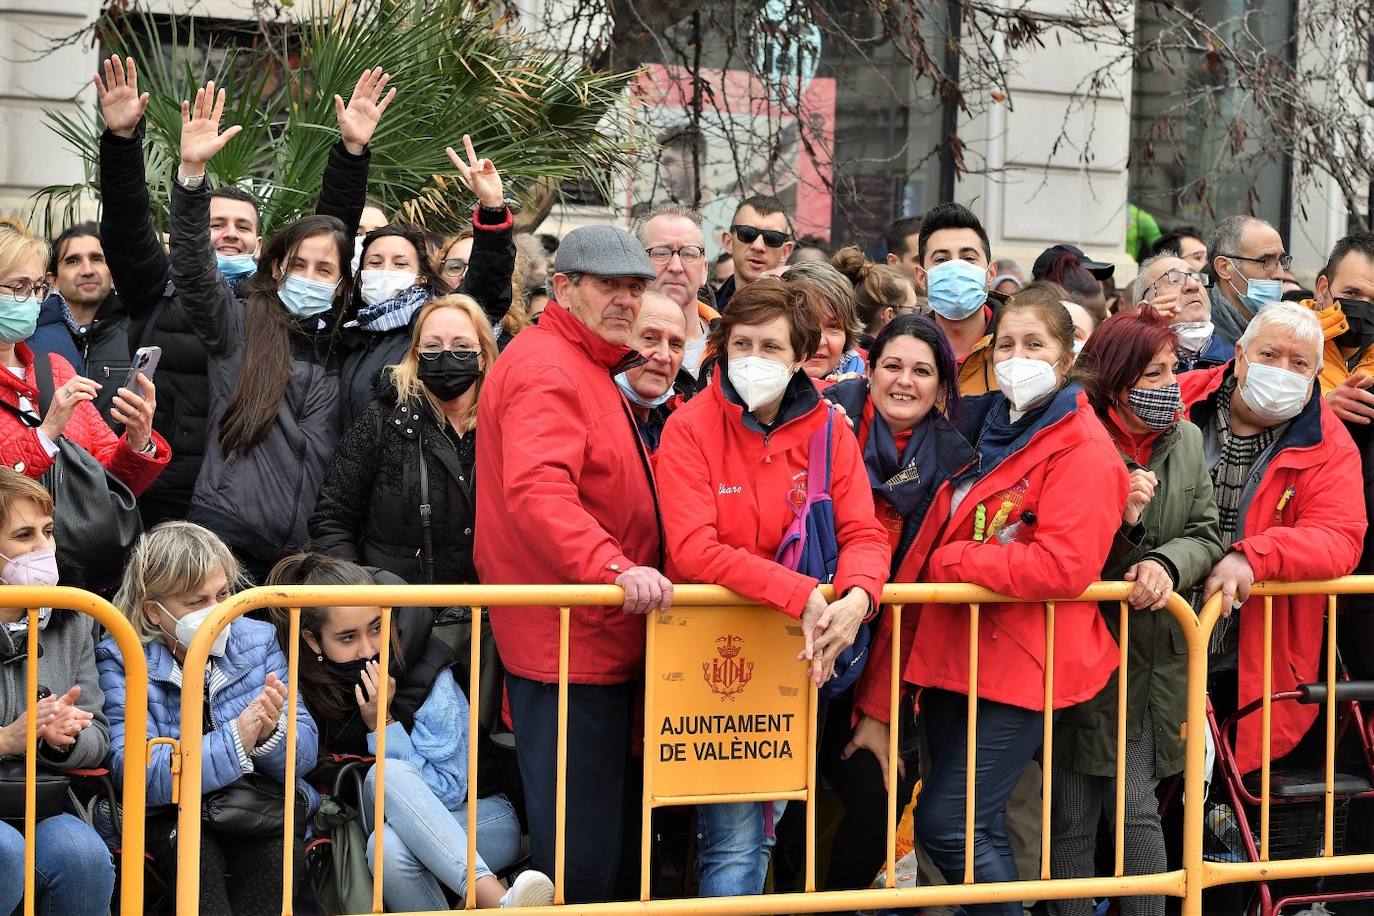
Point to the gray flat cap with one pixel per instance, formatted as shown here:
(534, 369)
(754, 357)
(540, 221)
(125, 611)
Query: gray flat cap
(603, 251)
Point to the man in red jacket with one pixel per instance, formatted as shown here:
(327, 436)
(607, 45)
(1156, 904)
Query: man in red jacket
(565, 495)
(1288, 483)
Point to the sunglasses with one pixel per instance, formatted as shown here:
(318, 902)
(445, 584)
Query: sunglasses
(771, 237)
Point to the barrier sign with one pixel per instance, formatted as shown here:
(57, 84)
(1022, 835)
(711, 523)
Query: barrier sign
(728, 705)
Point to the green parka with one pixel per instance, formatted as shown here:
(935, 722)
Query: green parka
(1179, 530)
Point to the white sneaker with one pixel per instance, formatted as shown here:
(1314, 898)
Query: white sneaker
(530, 888)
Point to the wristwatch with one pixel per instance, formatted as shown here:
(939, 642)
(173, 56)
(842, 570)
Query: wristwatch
(190, 182)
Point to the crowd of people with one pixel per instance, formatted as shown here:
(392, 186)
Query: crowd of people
(651, 416)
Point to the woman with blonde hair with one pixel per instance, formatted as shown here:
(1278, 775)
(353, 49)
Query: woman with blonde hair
(177, 575)
(408, 459)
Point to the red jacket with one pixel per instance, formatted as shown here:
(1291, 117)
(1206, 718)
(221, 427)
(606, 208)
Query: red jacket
(1072, 481)
(728, 491)
(564, 496)
(21, 449)
(1318, 534)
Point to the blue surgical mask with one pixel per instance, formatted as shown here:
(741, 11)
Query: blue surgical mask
(957, 289)
(234, 266)
(306, 298)
(1258, 293)
(623, 381)
(18, 317)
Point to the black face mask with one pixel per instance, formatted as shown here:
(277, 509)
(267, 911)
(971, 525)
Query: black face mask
(450, 374)
(348, 672)
(1360, 315)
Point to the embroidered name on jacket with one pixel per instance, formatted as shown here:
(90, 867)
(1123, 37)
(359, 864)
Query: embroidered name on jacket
(729, 491)
(905, 475)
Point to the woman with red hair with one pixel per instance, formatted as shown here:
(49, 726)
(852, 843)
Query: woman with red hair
(1168, 542)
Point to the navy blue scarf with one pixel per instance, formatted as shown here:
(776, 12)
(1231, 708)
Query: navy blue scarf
(906, 480)
(995, 437)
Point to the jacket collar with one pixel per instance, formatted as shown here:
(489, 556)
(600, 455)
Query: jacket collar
(1304, 431)
(558, 320)
(24, 388)
(798, 399)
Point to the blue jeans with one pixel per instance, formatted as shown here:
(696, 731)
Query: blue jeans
(1008, 737)
(731, 848)
(427, 845)
(74, 872)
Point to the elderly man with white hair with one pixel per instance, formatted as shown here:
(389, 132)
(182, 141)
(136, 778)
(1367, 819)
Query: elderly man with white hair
(1288, 483)
(1178, 291)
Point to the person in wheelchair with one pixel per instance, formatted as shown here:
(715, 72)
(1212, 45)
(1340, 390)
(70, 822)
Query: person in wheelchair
(75, 874)
(1286, 475)
(426, 722)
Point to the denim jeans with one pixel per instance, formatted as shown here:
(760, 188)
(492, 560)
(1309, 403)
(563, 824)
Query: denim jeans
(426, 845)
(731, 848)
(74, 872)
(1007, 739)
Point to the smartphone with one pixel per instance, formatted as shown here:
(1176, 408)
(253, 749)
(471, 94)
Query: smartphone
(145, 364)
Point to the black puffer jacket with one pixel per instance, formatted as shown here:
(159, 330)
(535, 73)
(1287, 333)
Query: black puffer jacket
(369, 505)
(257, 501)
(142, 274)
(488, 281)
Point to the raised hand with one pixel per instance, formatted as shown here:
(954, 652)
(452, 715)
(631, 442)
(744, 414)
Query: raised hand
(479, 175)
(358, 119)
(121, 105)
(200, 135)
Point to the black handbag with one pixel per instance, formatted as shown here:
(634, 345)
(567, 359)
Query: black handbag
(95, 520)
(251, 805)
(50, 797)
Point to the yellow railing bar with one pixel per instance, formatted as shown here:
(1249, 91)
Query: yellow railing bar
(811, 799)
(894, 724)
(1329, 793)
(134, 790)
(1119, 832)
(1266, 723)
(175, 745)
(971, 740)
(31, 767)
(1047, 743)
(379, 798)
(560, 804)
(474, 701)
(293, 664)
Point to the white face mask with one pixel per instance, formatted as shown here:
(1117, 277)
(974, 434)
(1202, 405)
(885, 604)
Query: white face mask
(1193, 336)
(188, 625)
(1274, 394)
(378, 286)
(1078, 347)
(1025, 382)
(757, 380)
(357, 252)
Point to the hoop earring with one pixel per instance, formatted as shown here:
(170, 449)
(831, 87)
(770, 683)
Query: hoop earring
(319, 658)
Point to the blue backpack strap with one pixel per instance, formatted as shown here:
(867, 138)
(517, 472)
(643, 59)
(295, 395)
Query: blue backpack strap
(818, 465)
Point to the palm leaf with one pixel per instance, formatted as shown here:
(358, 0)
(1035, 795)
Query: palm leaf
(458, 69)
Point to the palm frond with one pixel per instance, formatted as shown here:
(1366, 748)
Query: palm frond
(459, 69)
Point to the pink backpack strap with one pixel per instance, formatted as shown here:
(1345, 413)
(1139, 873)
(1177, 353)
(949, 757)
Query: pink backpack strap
(819, 461)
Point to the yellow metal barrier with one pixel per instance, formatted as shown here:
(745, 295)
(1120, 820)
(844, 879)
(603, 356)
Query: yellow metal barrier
(1175, 883)
(1214, 874)
(1186, 883)
(136, 724)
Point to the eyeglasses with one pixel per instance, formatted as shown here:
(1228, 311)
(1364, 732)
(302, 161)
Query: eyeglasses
(690, 254)
(1268, 262)
(771, 237)
(454, 267)
(434, 351)
(1176, 277)
(23, 289)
